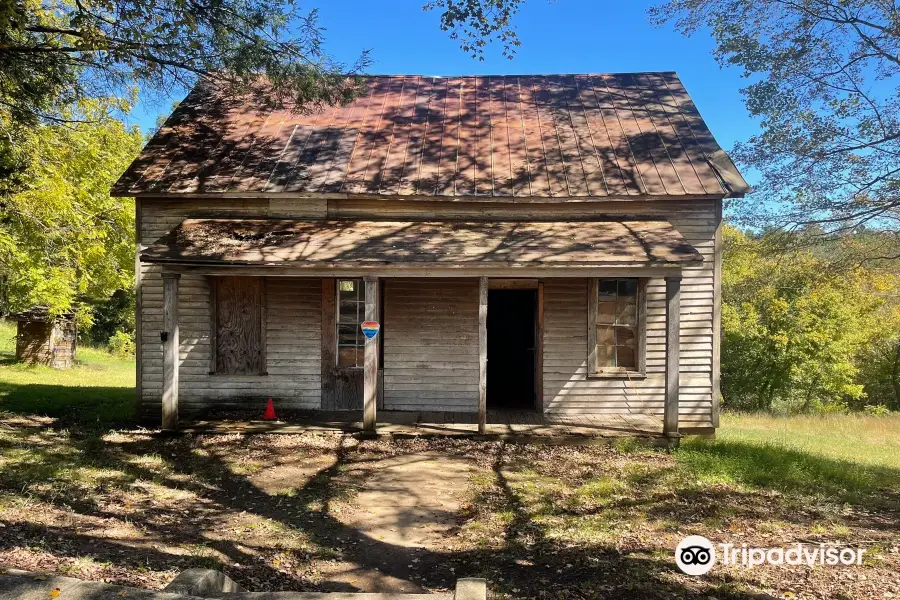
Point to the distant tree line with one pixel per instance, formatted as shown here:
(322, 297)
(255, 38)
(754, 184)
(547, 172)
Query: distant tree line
(800, 335)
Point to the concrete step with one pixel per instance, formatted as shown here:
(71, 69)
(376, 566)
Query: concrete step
(194, 584)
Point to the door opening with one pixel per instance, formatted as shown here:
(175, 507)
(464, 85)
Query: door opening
(511, 349)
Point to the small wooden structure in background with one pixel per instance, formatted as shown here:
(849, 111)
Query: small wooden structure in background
(43, 339)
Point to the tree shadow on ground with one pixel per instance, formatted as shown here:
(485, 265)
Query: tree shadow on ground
(70, 406)
(794, 472)
(519, 558)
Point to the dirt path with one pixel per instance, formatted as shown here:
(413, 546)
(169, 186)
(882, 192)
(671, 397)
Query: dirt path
(406, 504)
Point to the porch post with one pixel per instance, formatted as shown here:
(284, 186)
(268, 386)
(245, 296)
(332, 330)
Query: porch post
(673, 353)
(370, 366)
(482, 353)
(170, 351)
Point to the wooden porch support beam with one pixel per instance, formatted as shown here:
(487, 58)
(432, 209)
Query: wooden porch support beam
(170, 351)
(673, 354)
(482, 354)
(370, 366)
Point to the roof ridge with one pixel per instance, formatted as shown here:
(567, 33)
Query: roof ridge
(473, 76)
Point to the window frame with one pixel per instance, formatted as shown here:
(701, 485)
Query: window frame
(593, 300)
(213, 282)
(360, 315)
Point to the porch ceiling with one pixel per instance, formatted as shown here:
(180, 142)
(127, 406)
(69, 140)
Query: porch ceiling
(351, 244)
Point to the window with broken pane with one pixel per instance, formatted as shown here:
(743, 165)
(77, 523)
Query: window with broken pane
(351, 309)
(617, 325)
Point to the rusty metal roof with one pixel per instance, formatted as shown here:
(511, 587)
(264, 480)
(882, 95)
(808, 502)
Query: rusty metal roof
(556, 136)
(351, 243)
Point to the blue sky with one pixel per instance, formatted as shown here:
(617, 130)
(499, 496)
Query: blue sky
(563, 36)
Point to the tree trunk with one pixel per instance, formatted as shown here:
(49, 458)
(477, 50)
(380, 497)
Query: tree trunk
(895, 376)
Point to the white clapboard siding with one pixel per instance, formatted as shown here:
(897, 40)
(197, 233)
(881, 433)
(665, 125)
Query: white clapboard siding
(430, 338)
(293, 348)
(567, 388)
(293, 324)
(430, 332)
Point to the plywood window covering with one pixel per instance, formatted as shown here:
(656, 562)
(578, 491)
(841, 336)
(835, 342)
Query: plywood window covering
(617, 326)
(351, 312)
(239, 326)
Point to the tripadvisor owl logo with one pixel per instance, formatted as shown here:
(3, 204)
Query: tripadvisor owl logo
(695, 555)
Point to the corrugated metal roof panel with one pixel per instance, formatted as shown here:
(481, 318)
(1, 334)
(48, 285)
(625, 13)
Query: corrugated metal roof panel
(508, 136)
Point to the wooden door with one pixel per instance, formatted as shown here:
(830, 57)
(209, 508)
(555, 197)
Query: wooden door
(348, 389)
(342, 387)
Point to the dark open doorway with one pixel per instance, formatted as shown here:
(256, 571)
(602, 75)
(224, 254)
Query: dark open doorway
(511, 349)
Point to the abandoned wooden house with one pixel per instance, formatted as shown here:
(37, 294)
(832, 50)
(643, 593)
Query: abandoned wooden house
(459, 245)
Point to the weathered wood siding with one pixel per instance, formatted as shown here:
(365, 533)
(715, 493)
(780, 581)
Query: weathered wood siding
(293, 329)
(33, 342)
(431, 344)
(566, 385)
(46, 343)
(430, 329)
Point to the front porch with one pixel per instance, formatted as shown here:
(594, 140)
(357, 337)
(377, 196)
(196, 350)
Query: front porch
(511, 425)
(274, 309)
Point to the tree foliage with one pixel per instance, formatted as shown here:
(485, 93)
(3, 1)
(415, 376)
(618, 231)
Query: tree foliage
(61, 235)
(824, 82)
(56, 53)
(476, 23)
(798, 337)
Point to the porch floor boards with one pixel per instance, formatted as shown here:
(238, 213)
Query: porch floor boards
(505, 424)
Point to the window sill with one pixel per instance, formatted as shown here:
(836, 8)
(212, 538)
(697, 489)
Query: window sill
(625, 375)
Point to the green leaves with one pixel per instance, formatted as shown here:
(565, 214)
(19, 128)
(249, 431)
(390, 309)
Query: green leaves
(476, 23)
(794, 334)
(61, 235)
(60, 52)
(826, 85)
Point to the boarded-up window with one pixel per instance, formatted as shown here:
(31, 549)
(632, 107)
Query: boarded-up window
(239, 326)
(351, 313)
(617, 325)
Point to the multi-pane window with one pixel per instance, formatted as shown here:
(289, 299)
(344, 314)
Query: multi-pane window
(617, 325)
(351, 313)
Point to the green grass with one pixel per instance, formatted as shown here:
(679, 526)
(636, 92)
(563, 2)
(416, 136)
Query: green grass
(868, 441)
(829, 462)
(548, 521)
(98, 390)
(846, 458)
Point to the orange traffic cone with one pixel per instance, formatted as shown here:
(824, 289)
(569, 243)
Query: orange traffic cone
(270, 411)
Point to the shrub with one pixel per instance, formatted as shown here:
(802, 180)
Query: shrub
(109, 316)
(879, 370)
(877, 410)
(122, 344)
